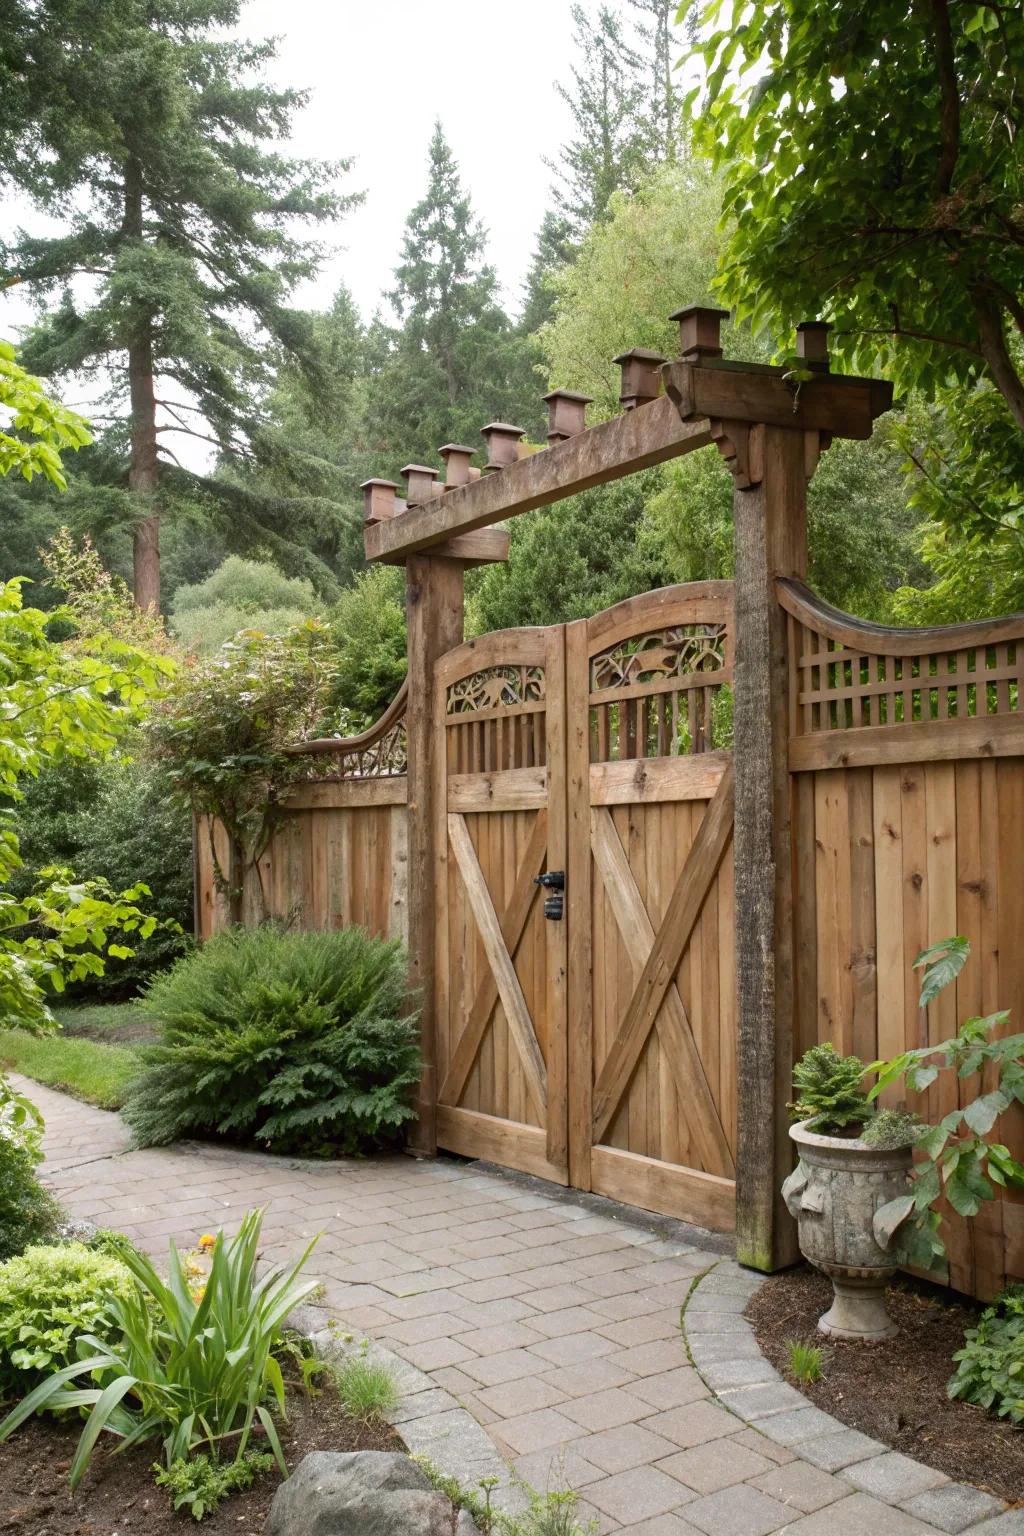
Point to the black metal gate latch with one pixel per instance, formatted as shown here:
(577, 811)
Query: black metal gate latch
(554, 905)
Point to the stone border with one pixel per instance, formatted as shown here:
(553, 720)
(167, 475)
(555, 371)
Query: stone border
(431, 1421)
(724, 1351)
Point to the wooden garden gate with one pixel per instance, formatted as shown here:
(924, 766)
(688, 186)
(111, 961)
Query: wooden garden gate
(596, 1047)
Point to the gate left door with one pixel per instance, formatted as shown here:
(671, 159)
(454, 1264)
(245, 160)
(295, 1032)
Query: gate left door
(501, 962)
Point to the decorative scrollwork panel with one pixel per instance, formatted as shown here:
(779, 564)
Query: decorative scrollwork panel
(496, 688)
(679, 651)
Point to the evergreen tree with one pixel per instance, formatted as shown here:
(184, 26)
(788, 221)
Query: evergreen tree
(552, 251)
(663, 115)
(177, 261)
(606, 100)
(454, 361)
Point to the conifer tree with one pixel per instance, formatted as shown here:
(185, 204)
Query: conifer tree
(146, 131)
(453, 361)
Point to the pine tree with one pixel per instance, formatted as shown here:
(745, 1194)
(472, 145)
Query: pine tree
(553, 249)
(605, 100)
(146, 133)
(659, 49)
(454, 361)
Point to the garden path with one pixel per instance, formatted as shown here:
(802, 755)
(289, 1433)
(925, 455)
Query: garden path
(556, 1324)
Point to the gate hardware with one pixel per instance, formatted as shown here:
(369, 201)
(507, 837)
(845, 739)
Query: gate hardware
(554, 905)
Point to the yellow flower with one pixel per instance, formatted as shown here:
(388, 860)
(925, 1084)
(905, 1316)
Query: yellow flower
(207, 1240)
(198, 1294)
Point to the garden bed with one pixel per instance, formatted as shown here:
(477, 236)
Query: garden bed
(895, 1390)
(118, 1497)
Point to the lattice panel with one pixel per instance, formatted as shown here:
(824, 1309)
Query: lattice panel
(659, 694)
(840, 688)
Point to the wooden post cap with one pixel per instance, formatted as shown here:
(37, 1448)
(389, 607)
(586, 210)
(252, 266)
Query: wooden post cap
(567, 414)
(456, 464)
(641, 376)
(812, 344)
(502, 441)
(420, 483)
(378, 500)
(700, 331)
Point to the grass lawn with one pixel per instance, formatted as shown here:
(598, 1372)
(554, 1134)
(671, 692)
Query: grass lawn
(89, 1069)
(110, 1023)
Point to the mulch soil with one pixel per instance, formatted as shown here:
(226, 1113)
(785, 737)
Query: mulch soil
(118, 1496)
(895, 1390)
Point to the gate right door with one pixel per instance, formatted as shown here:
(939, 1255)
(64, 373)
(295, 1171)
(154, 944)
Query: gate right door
(651, 965)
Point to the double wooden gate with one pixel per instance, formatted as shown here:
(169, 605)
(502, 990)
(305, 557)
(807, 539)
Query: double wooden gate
(595, 1046)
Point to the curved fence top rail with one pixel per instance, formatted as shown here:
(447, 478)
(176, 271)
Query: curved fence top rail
(345, 745)
(888, 640)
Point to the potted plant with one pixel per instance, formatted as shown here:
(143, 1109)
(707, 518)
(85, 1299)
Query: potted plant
(865, 1189)
(839, 1185)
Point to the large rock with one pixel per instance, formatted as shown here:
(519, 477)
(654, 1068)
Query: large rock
(361, 1493)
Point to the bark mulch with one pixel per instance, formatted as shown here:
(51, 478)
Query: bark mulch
(118, 1496)
(895, 1390)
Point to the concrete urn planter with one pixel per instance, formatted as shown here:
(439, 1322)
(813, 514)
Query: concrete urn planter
(835, 1193)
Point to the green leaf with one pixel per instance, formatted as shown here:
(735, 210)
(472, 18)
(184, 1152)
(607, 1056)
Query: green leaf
(941, 963)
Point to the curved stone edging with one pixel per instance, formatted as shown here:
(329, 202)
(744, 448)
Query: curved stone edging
(429, 1419)
(725, 1352)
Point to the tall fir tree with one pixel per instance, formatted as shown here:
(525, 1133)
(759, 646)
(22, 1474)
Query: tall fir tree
(147, 133)
(453, 361)
(553, 250)
(663, 111)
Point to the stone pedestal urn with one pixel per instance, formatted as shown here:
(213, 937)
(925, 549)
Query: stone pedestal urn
(834, 1192)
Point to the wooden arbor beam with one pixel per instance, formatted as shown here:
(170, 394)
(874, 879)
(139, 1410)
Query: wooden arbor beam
(676, 423)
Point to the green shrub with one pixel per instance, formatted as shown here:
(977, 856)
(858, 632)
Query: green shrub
(828, 1091)
(116, 821)
(805, 1361)
(201, 1483)
(192, 1365)
(28, 1212)
(296, 1040)
(990, 1370)
(892, 1128)
(367, 1389)
(50, 1298)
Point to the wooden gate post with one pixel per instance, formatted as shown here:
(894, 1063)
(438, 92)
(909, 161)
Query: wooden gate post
(434, 600)
(770, 514)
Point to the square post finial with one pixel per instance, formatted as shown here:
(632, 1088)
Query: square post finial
(502, 441)
(378, 500)
(420, 483)
(812, 344)
(457, 467)
(567, 414)
(700, 331)
(641, 376)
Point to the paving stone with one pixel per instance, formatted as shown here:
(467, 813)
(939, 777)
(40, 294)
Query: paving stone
(639, 1491)
(672, 1389)
(650, 1359)
(893, 1477)
(861, 1515)
(572, 1348)
(710, 1348)
(630, 1445)
(693, 1424)
(538, 1431)
(714, 1320)
(562, 1469)
(661, 1525)
(953, 1506)
(511, 1398)
(589, 1376)
(608, 1409)
(1009, 1524)
(738, 1373)
(839, 1448)
(707, 1468)
(738, 1511)
(704, 1299)
(801, 1486)
(757, 1402)
(509, 1365)
(795, 1425)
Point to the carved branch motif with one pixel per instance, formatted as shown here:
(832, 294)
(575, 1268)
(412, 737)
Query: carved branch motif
(379, 759)
(496, 688)
(667, 653)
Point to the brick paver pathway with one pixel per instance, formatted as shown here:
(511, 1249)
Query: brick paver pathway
(557, 1328)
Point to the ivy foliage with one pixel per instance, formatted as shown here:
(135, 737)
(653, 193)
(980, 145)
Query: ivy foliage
(300, 1041)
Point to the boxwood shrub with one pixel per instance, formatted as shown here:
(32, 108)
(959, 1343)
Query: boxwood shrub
(301, 1042)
